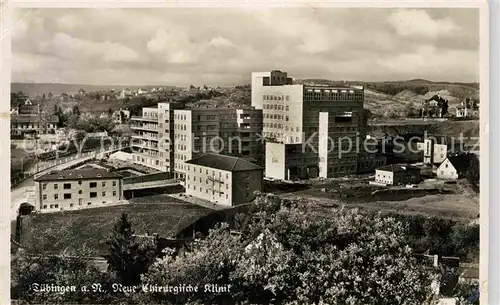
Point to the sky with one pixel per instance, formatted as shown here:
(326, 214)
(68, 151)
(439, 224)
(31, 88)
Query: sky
(222, 46)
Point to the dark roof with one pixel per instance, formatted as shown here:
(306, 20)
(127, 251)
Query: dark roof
(75, 174)
(226, 163)
(460, 162)
(392, 168)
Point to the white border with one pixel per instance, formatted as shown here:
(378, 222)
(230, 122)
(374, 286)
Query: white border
(489, 248)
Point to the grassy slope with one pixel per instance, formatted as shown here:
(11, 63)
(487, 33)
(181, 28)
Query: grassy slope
(89, 228)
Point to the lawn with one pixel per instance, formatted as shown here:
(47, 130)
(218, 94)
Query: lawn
(75, 230)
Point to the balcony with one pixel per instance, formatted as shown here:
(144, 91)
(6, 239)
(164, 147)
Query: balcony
(144, 137)
(145, 146)
(145, 119)
(145, 127)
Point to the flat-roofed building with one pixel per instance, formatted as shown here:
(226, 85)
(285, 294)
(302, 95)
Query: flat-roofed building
(152, 144)
(224, 180)
(77, 189)
(323, 119)
(226, 131)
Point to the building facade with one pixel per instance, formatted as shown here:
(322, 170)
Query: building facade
(226, 131)
(323, 119)
(397, 175)
(77, 189)
(437, 148)
(153, 140)
(454, 167)
(223, 180)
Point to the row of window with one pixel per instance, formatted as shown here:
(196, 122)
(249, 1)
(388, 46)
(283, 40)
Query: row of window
(276, 98)
(68, 195)
(56, 206)
(276, 107)
(67, 186)
(275, 116)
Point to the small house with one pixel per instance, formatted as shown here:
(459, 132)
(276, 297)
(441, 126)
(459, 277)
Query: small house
(395, 174)
(454, 167)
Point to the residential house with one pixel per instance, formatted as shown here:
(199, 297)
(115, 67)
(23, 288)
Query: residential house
(223, 179)
(454, 167)
(77, 189)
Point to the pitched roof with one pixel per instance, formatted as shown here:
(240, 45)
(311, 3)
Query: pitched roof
(75, 174)
(225, 163)
(392, 168)
(460, 162)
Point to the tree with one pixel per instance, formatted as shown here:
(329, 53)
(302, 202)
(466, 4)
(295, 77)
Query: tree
(299, 254)
(29, 270)
(127, 258)
(76, 110)
(472, 172)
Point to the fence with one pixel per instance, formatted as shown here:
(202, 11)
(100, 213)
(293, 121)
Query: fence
(43, 165)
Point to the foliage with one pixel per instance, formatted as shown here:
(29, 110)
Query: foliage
(287, 252)
(128, 258)
(439, 236)
(472, 172)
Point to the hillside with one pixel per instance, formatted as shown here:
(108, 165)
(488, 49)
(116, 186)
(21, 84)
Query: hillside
(382, 99)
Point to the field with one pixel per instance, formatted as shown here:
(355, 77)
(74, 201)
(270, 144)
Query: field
(74, 230)
(457, 202)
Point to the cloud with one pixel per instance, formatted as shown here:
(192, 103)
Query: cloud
(408, 22)
(222, 46)
(221, 42)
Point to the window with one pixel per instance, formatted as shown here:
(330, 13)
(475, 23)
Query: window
(67, 186)
(446, 165)
(103, 194)
(93, 184)
(93, 194)
(56, 186)
(114, 193)
(51, 206)
(45, 206)
(114, 183)
(44, 197)
(227, 196)
(56, 196)
(442, 172)
(44, 186)
(70, 205)
(67, 196)
(56, 206)
(89, 203)
(80, 192)
(104, 183)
